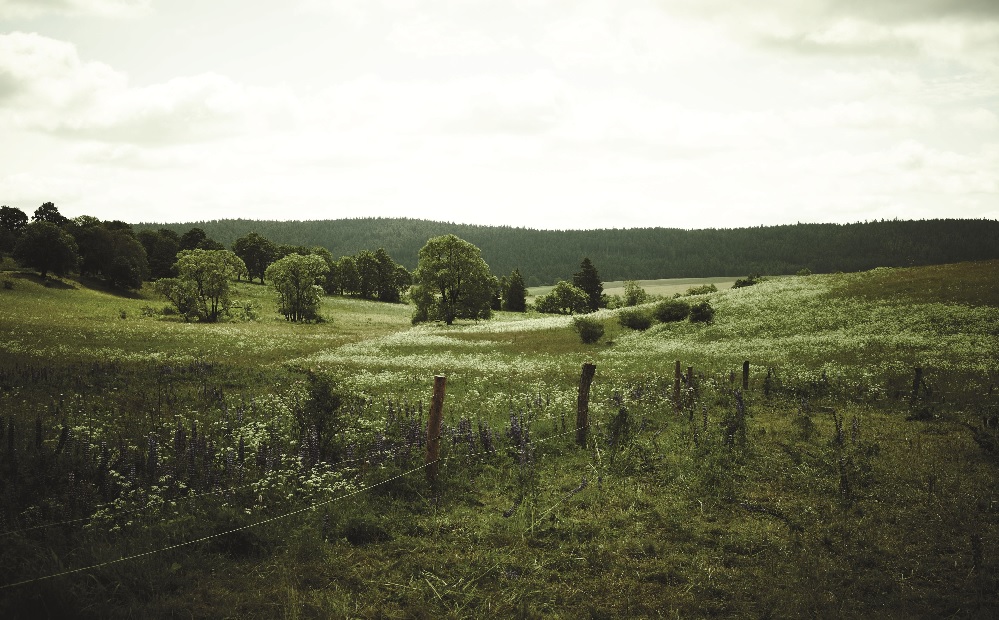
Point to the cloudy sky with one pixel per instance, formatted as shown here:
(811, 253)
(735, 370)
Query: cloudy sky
(558, 114)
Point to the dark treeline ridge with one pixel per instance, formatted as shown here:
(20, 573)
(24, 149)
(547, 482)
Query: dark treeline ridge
(546, 256)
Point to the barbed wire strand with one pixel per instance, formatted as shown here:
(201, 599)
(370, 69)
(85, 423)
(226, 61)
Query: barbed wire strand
(311, 507)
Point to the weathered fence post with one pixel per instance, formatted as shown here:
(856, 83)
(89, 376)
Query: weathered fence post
(916, 382)
(745, 375)
(583, 403)
(690, 386)
(434, 428)
(677, 374)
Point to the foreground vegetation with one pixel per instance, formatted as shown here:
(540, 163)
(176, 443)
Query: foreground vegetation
(259, 468)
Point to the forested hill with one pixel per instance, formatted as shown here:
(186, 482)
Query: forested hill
(546, 256)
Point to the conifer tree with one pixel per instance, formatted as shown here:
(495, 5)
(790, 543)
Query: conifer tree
(589, 281)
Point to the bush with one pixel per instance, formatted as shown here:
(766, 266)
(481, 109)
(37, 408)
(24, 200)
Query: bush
(634, 294)
(635, 319)
(671, 310)
(702, 290)
(748, 281)
(565, 298)
(804, 271)
(702, 313)
(589, 329)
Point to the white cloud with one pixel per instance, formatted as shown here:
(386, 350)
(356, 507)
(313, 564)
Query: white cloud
(13, 9)
(45, 85)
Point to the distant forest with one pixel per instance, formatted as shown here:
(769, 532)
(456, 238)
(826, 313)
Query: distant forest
(546, 256)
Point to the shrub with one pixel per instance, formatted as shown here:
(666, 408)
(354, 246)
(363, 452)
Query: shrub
(748, 281)
(634, 294)
(702, 290)
(565, 298)
(671, 310)
(804, 271)
(635, 319)
(589, 329)
(702, 313)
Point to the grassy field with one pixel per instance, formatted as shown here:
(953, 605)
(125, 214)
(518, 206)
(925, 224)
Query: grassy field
(258, 468)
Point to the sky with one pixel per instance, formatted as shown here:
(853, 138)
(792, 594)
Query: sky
(550, 114)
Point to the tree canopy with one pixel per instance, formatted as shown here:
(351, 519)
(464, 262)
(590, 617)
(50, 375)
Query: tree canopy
(47, 247)
(257, 252)
(203, 286)
(296, 279)
(564, 298)
(452, 282)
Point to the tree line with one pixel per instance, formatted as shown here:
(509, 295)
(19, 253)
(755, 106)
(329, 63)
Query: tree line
(547, 256)
(194, 271)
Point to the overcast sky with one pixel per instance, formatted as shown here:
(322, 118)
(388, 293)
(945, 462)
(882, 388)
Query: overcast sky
(556, 114)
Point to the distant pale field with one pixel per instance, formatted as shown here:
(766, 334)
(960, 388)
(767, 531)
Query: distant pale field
(665, 287)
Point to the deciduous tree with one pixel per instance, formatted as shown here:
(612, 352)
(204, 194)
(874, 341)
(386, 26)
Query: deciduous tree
(12, 223)
(203, 286)
(452, 282)
(49, 213)
(47, 247)
(257, 253)
(565, 298)
(296, 279)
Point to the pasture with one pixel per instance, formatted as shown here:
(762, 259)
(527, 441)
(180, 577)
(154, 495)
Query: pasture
(259, 468)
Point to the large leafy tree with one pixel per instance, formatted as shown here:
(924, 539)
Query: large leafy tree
(161, 251)
(257, 252)
(515, 294)
(565, 298)
(344, 279)
(47, 247)
(451, 282)
(588, 280)
(110, 250)
(198, 239)
(203, 286)
(296, 279)
(49, 213)
(390, 277)
(12, 223)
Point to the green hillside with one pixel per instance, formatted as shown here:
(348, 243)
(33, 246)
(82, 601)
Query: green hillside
(258, 468)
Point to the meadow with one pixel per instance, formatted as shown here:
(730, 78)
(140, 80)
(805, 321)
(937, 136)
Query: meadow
(258, 468)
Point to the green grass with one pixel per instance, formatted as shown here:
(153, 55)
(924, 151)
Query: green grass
(838, 492)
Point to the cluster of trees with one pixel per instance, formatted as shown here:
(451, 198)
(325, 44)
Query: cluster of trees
(53, 243)
(452, 281)
(584, 294)
(546, 256)
(195, 272)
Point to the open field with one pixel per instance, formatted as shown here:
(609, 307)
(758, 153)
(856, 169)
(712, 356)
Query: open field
(258, 468)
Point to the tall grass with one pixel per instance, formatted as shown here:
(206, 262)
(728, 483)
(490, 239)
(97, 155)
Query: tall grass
(829, 488)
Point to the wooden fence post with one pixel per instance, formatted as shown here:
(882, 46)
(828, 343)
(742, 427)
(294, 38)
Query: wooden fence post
(583, 403)
(677, 374)
(434, 422)
(690, 387)
(916, 382)
(745, 375)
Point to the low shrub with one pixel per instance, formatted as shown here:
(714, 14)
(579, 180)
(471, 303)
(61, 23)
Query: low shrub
(702, 313)
(671, 310)
(635, 319)
(589, 329)
(752, 279)
(702, 290)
